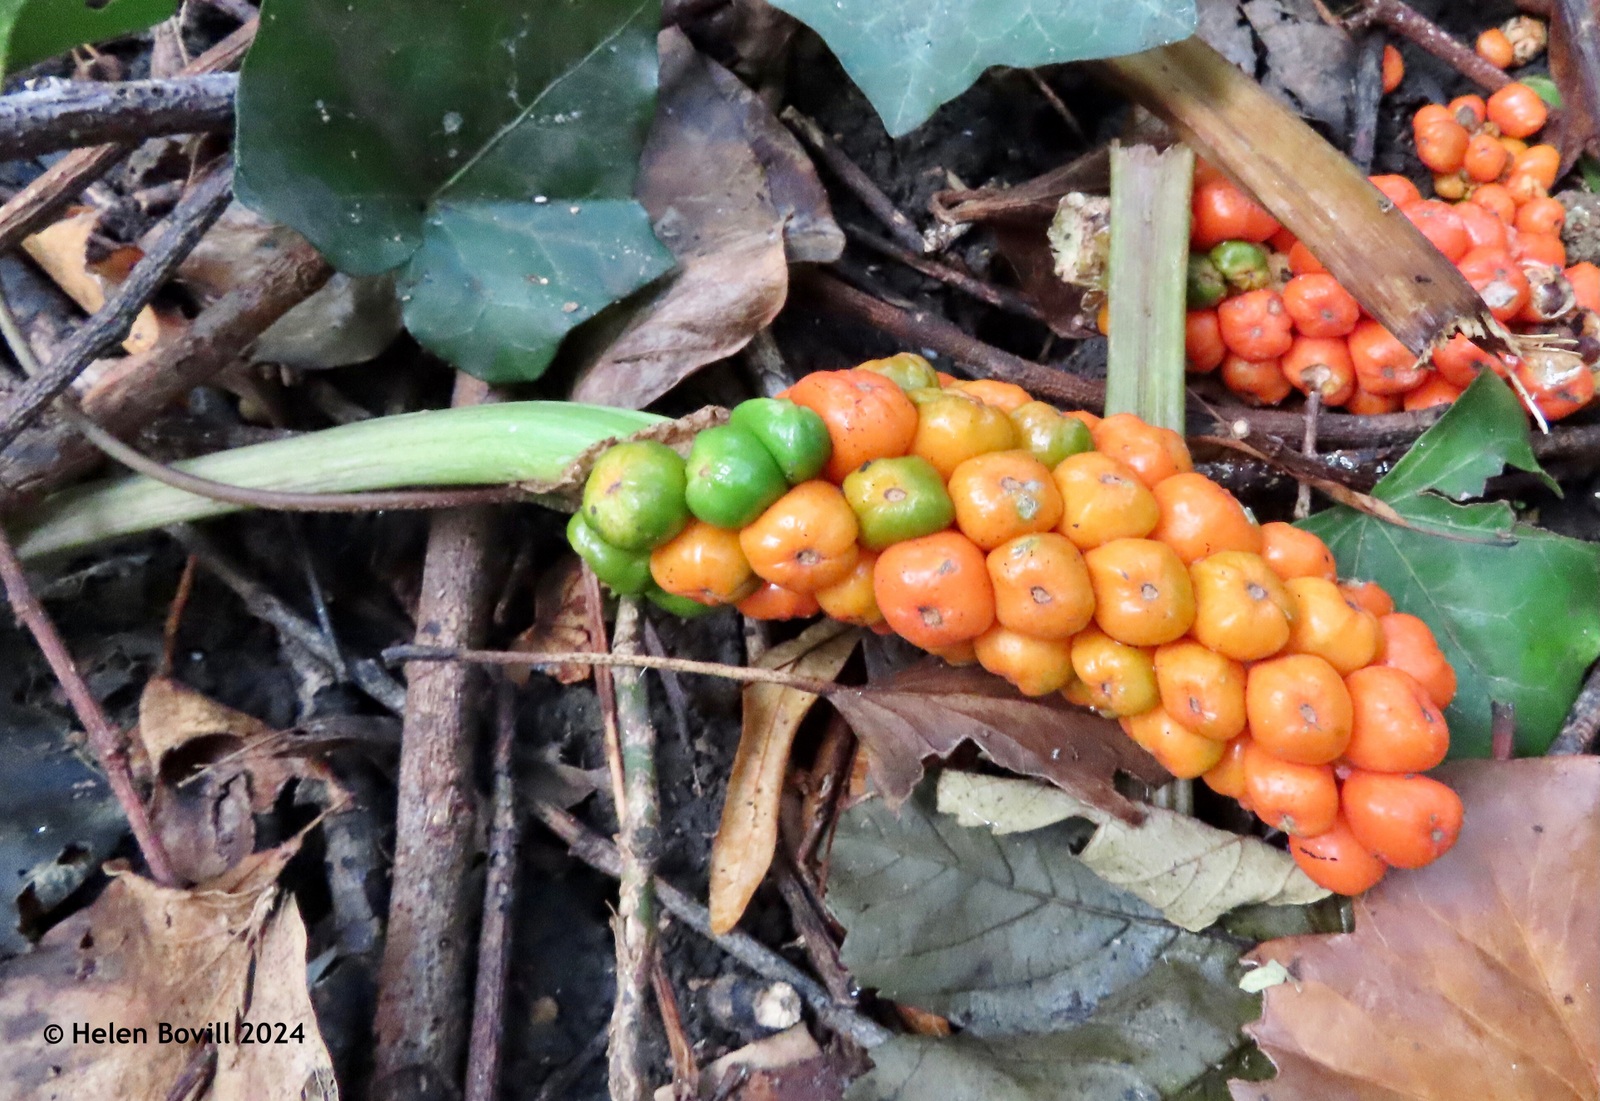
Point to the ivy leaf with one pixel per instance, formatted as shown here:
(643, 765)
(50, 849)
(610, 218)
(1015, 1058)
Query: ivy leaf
(1516, 609)
(32, 30)
(911, 56)
(488, 150)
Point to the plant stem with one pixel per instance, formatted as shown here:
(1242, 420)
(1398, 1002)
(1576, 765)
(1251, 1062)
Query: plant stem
(1149, 251)
(480, 445)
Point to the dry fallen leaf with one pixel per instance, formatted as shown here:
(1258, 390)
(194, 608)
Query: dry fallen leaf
(229, 951)
(216, 769)
(930, 709)
(560, 624)
(1193, 873)
(62, 251)
(786, 1066)
(733, 196)
(748, 834)
(1475, 977)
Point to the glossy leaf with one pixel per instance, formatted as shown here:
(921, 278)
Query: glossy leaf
(489, 150)
(1516, 609)
(911, 56)
(1472, 977)
(33, 30)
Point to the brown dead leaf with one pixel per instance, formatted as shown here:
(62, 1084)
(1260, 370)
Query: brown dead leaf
(216, 769)
(227, 951)
(733, 196)
(62, 250)
(930, 709)
(786, 1066)
(560, 624)
(1475, 977)
(748, 834)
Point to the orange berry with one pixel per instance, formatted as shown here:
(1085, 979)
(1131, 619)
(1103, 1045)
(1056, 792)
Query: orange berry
(1260, 382)
(1255, 324)
(1441, 225)
(1485, 158)
(1470, 111)
(1436, 391)
(1395, 725)
(1221, 212)
(1394, 69)
(1226, 777)
(1459, 361)
(1114, 678)
(1518, 111)
(1363, 403)
(1201, 689)
(1370, 595)
(851, 600)
(1002, 495)
(1300, 800)
(957, 653)
(1202, 341)
(1495, 48)
(1321, 364)
(805, 540)
(1441, 145)
(1200, 518)
(1142, 593)
(1326, 624)
(1407, 821)
(1035, 666)
(1541, 163)
(1007, 397)
(1409, 645)
(953, 426)
(1319, 306)
(776, 602)
(1383, 364)
(1302, 261)
(1103, 499)
(705, 564)
(1539, 248)
(1496, 200)
(1089, 419)
(1180, 750)
(1041, 586)
(1397, 189)
(1541, 216)
(868, 416)
(1293, 552)
(1299, 709)
(1484, 228)
(1585, 281)
(1498, 281)
(935, 590)
(1337, 861)
(1241, 608)
(1152, 453)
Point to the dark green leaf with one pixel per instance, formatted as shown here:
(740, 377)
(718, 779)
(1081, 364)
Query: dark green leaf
(491, 149)
(1066, 986)
(1490, 416)
(1545, 87)
(32, 30)
(1516, 609)
(910, 56)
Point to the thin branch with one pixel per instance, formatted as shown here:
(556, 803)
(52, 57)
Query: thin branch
(594, 851)
(1583, 721)
(629, 661)
(901, 228)
(494, 942)
(106, 742)
(1406, 21)
(193, 216)
(79, 113)
(999, 297)
(37, 203)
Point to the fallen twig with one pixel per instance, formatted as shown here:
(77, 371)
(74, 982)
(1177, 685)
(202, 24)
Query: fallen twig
(79, 113)
(420, 1026)
(494, 941)
(1583, 720)
(1406, 21)
(999, 297)
(106, 742)
(860, 184)
(593, 850)
(193, 216)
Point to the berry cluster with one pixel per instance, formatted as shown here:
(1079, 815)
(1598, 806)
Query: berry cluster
(1066, 553)
(1266, 315)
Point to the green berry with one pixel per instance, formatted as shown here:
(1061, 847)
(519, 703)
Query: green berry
(1205, 287)
(623, 572)
(1243, 264)
(732, 478)
(634, 496)
(795, 437)
(907, 370)
(673, 604)
(898, 499)
(1049, 435)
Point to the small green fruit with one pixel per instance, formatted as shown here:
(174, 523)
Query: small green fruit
(624, 572)
(732, 478)
(634, 496)
(795, 437)
(898, 499)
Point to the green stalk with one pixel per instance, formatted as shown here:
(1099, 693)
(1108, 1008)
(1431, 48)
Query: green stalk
(1148, 282)
(527, 441)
